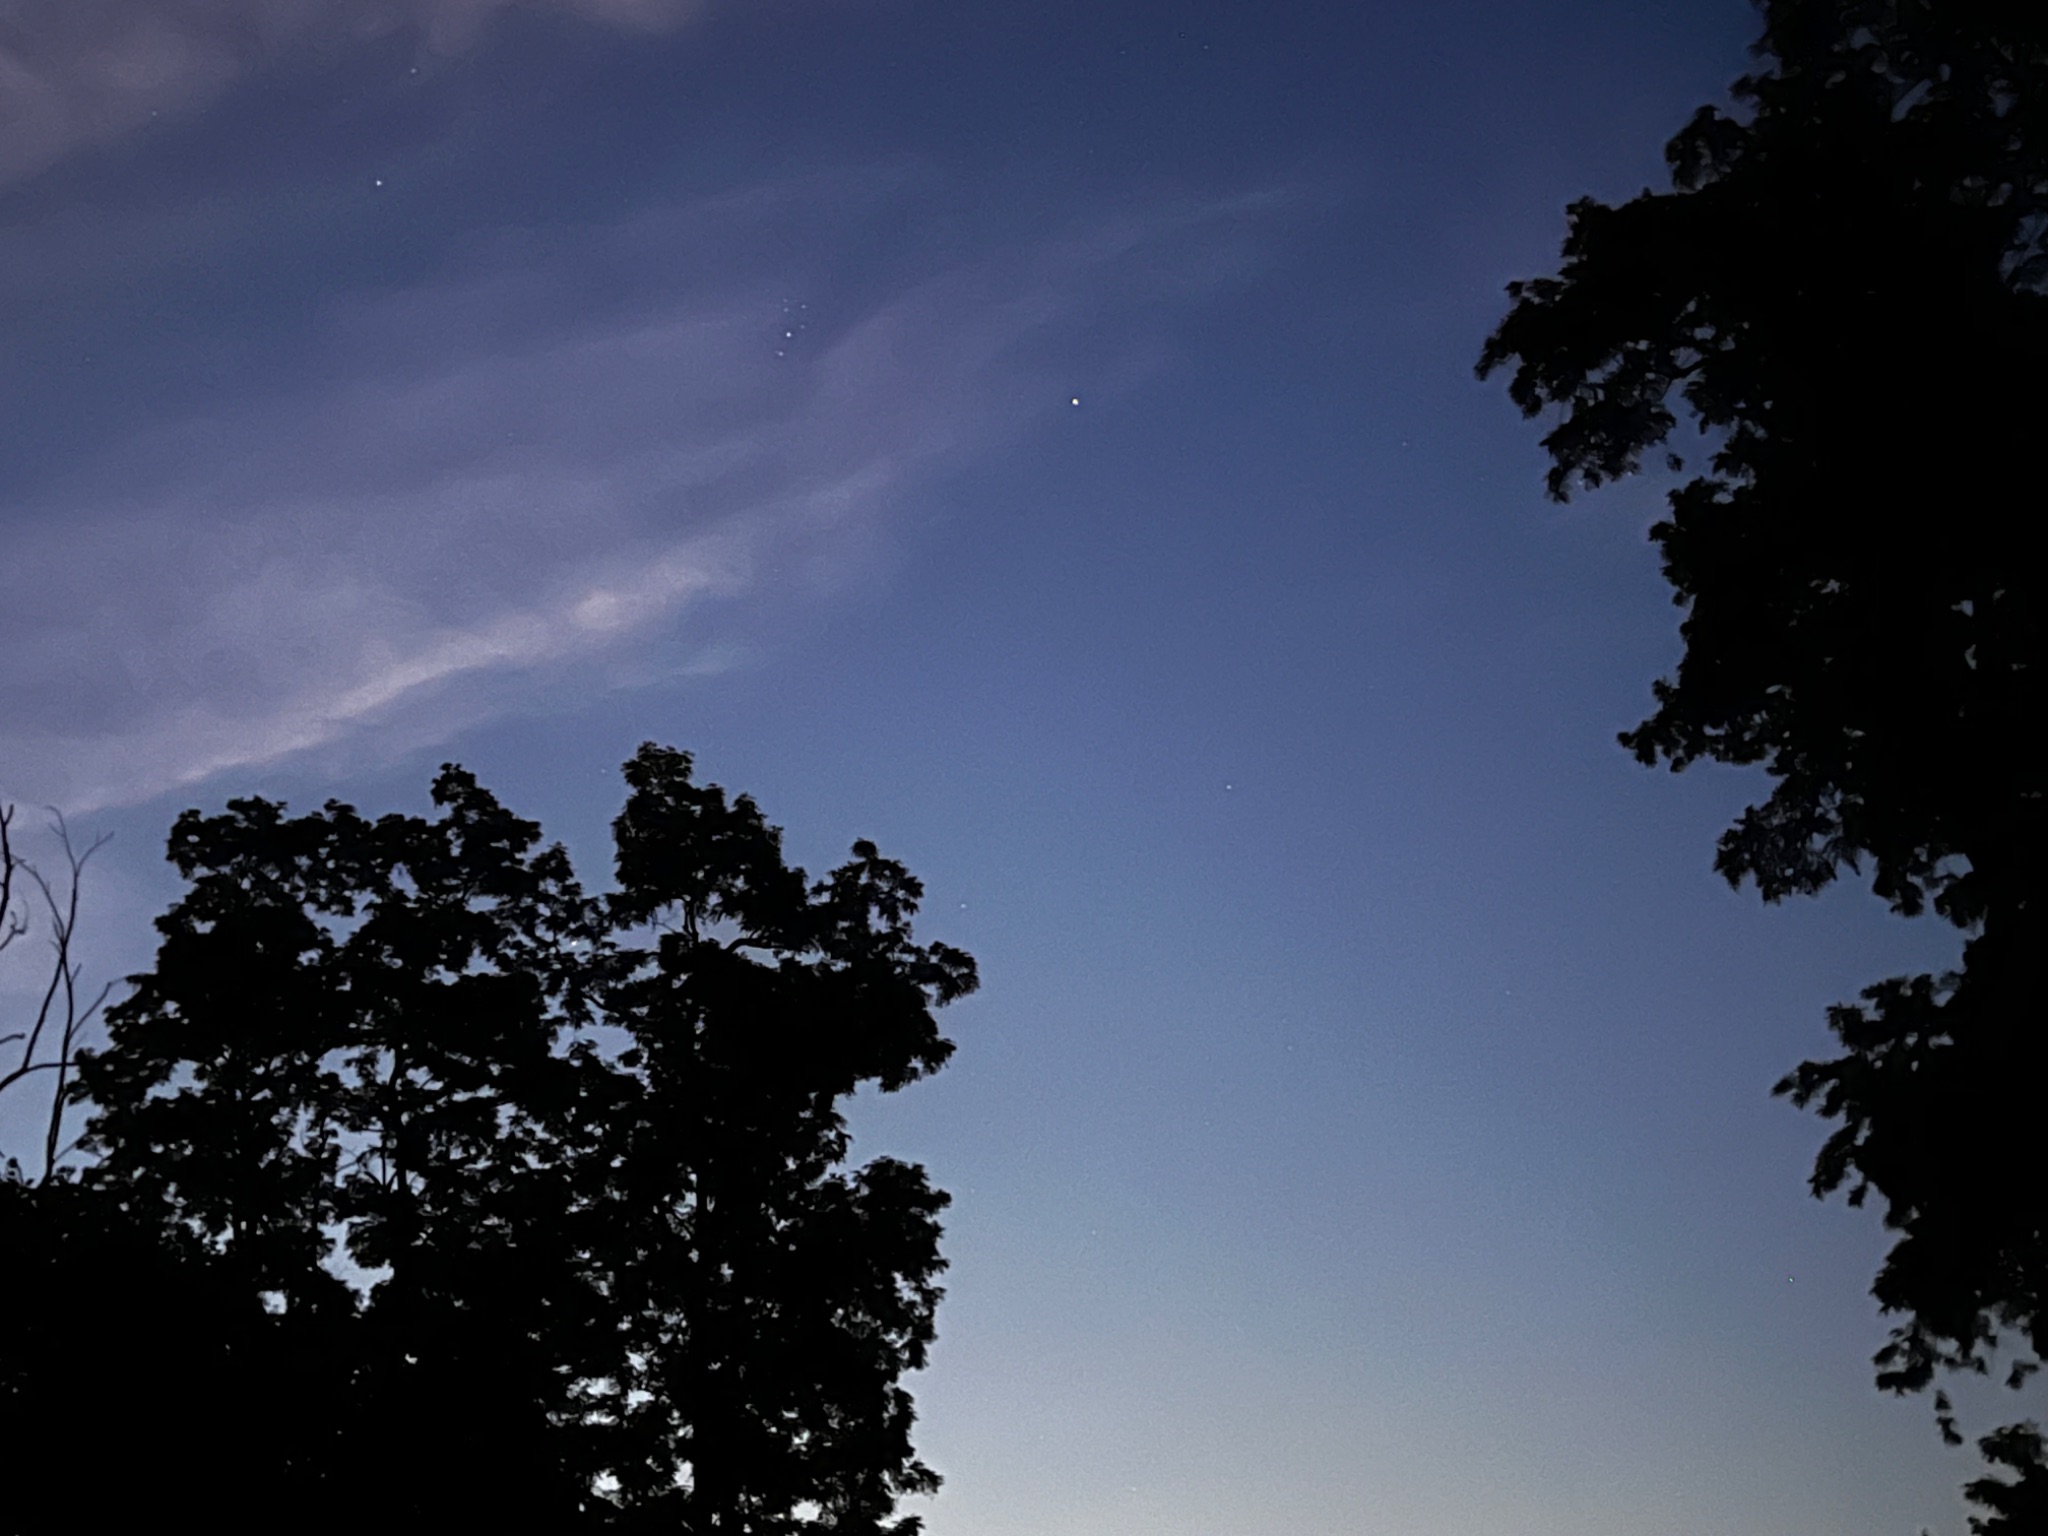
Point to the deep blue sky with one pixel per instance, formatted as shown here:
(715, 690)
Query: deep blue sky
(1043, 439)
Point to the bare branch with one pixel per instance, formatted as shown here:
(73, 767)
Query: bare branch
(75, 1020)
(18, 1073)
(61, 1009)
(12, 926)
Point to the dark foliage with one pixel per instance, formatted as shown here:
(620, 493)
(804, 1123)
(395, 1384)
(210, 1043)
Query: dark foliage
(1847, 291)
(430, 1192)
(2015, 1506)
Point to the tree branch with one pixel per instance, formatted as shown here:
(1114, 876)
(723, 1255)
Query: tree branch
(74, 1015)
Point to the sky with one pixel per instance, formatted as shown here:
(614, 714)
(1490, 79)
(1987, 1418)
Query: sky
(1041, 438)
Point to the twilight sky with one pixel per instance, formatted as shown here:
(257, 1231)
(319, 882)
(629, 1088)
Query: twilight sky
(1041, 438)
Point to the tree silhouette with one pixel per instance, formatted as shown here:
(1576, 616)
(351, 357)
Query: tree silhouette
(498, 1202)
(776, 1299)
(1845, 290)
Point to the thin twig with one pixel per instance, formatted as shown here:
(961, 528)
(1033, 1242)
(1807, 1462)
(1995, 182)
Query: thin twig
(64, 971)
(18, 1073)
(12, 924)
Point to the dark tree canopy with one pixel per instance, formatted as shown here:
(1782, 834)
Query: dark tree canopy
(1846, 290)
(431, 1192)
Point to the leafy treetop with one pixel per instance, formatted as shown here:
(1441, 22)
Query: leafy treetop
(492, 1200)
(1846, 290)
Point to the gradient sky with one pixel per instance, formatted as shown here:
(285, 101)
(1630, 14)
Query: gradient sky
(1041, 438)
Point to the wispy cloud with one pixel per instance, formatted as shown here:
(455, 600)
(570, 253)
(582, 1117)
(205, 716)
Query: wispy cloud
(75, 73)
(497, 482)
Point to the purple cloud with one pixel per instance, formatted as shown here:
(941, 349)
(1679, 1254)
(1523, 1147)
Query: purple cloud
(76, 73)
(494, 484)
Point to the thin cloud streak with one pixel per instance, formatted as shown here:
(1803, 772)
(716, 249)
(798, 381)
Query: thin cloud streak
(200, 740)
(79, 73)
(388, 557)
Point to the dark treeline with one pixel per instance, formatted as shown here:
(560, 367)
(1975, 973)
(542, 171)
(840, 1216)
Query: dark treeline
(422, 1190)
(1846, 288)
